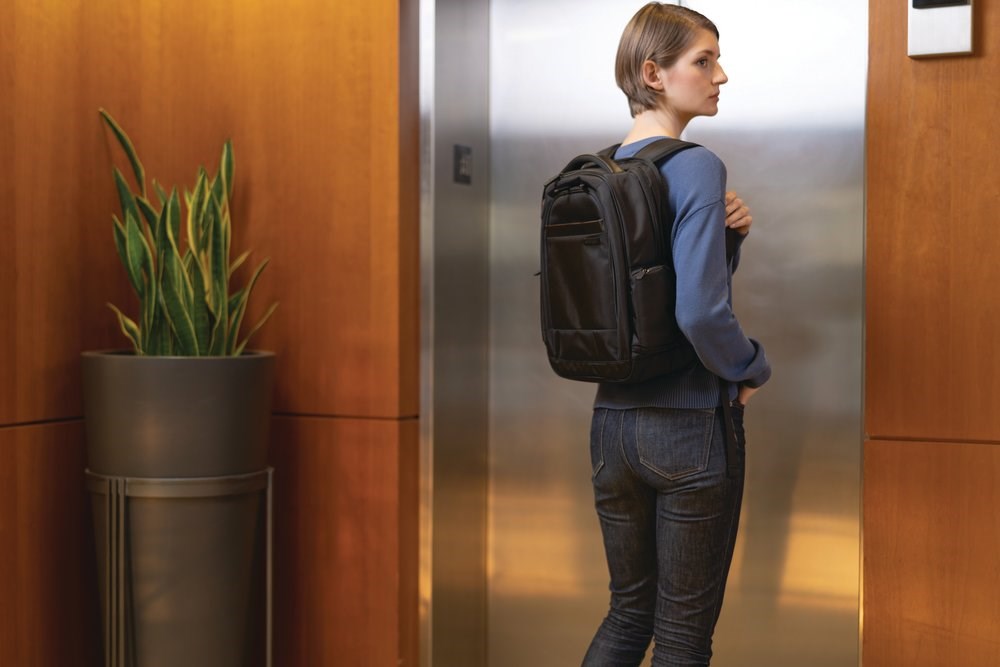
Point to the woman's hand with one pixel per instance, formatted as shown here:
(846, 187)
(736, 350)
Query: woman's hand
(745, 393)
(738, 216)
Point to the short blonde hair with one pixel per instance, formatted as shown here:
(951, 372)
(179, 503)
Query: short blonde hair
(660, 33)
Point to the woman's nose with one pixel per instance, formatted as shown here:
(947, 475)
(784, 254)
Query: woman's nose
(720, 75)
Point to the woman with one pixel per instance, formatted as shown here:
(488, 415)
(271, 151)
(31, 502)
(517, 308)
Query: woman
(667, 508)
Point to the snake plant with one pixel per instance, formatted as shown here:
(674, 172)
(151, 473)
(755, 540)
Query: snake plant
(187, 307)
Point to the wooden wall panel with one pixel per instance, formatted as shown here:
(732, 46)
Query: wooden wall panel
(346, 508)
(50, 616)
(54, 262)
(932, 536)
(932, 243)
(8, 212)
(341, 223)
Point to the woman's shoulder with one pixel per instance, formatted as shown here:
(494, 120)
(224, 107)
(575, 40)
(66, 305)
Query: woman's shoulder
(698, 159)
(695, 178)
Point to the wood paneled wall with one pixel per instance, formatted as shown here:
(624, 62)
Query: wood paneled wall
(932, 452)
(932, 532)
(321, 102)
(50, 614)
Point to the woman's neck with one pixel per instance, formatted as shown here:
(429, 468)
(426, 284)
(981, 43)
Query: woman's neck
(655, 123)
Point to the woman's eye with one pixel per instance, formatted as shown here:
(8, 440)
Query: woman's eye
(703, 62)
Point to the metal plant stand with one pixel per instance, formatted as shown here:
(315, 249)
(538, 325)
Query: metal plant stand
(117, 568)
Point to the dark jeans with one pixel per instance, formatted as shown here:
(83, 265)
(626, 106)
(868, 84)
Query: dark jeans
(668, 514)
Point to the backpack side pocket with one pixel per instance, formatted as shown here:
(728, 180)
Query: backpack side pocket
(654, 326)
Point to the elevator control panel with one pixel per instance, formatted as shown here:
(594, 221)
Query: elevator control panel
(462, 165)
(939, 28)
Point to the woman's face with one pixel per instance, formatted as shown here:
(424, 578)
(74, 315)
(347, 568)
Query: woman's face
(691, 84)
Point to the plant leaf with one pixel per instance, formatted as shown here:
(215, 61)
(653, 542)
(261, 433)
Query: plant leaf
(219, 283)
(129, 328)
(196, 212)
(201, 310)
(235, 299)
(207, 226)
(270, 311)
(158, 334)
(237, 307)
(227, 166)
(137, 255)
(218, 189)
(160, 237)
(175, 303)
(149, 310)
(240, 310)
(119, 232)
(238, 262)
(125, 196)
(174, 216)
(160, 193)
(140, 258)
(177, 295)
(167, 342)
(150, 214)
(126, 144)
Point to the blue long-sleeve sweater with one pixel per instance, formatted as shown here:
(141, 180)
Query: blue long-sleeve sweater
(696, 180)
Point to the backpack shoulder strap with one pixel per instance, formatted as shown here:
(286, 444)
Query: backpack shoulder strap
(654, 152)
(662, 148)
(609, 152)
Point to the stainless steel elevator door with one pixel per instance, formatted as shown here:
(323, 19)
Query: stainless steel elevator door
(791, 130)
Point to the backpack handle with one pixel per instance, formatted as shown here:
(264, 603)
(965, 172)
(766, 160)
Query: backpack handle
(600, 161)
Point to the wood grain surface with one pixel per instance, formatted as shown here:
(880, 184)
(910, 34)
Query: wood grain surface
(50, 616)
(346, 511)
(931, 539)
(933, 306)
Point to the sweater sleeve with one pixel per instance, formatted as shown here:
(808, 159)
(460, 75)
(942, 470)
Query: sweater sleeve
(704, 289)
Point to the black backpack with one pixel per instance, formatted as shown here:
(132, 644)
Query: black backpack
(608, 286)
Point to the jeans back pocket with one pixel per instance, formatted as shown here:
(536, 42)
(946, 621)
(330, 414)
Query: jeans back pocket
(674, 443)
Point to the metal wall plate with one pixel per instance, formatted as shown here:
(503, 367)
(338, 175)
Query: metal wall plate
(939, 31)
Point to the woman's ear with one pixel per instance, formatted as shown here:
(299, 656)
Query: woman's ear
(651, 75)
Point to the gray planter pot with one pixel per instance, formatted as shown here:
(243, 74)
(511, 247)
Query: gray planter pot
(177, 458)
(176, 416)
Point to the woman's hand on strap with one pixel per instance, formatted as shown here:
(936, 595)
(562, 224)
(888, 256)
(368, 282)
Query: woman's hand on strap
(738, 215)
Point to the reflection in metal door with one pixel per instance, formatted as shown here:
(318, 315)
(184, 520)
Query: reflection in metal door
(791, 133)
